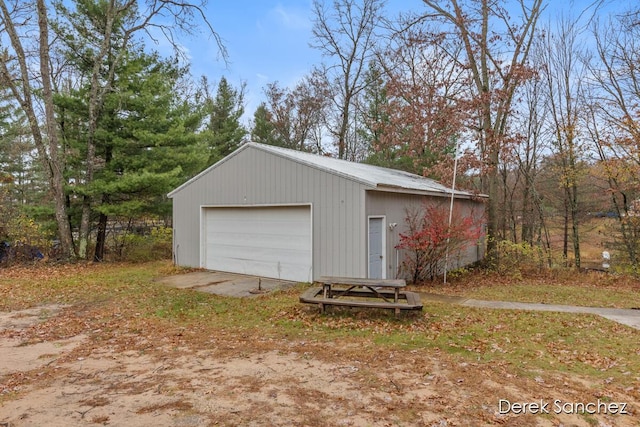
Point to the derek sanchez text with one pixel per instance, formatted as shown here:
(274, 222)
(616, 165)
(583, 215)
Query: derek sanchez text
(559, 407)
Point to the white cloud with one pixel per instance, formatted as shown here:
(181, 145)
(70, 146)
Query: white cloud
(290, 17)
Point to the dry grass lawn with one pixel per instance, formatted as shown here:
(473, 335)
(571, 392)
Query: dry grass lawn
(106, 345)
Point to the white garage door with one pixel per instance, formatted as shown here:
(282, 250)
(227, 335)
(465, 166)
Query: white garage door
(262, 241)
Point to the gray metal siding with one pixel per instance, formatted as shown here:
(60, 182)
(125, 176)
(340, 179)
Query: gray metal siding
(256, 177)
(394, 207)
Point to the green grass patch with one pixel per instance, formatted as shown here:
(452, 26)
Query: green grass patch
(527, 341)
(535, 292)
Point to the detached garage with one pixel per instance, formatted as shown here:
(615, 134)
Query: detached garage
(272, 241)
(273, 212)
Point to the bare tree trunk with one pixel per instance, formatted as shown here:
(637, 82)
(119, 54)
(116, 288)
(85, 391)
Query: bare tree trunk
(492, 211)
(565, 230)
(22, 90)
(575, 229)
(57, 177)
(96, 97)
(543, 236)
(503, 218)
(528, 204)
(510, 193)
(101, 235)
(342, 132)
(526, 231)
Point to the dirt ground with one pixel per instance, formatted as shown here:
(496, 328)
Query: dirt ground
(75, 366)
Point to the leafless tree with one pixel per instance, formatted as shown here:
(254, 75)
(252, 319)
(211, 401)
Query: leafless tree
(614, 120)
(528, 156)
(496, 51)
(298, 114)
(563, 76)
(345, 32)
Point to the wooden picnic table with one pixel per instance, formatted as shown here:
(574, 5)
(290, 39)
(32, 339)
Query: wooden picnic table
(373, 285)
(360, 292)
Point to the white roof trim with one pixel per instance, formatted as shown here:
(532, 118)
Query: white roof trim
(373, 176)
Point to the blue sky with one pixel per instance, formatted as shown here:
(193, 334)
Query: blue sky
(268, 40)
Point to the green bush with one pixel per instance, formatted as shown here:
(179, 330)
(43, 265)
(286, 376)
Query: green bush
(27, 239)
(141, 248)
(459, 273)
(517, 258)
(625, 245)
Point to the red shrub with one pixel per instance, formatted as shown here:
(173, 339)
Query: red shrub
(429, 235)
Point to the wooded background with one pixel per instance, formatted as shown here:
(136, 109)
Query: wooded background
(96, 127)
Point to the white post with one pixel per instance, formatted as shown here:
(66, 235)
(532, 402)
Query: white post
(453, 189)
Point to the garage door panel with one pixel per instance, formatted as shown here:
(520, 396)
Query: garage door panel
(264, 241)
(260, 254)
(259, 240)
(275, 228)
(266, 269)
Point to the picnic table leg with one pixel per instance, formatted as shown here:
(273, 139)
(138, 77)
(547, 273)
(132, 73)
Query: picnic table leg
(326, 290)
(396, 295)
(375, 291)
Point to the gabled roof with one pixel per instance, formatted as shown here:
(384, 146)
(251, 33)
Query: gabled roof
(375, 177)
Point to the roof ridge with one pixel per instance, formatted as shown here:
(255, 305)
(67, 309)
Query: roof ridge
(296, 154)
(376, 177)
(308, 158)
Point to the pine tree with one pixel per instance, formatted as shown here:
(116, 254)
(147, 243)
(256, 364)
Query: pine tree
(146, 142)
(263, 130)
(20, 174)
(225, 132)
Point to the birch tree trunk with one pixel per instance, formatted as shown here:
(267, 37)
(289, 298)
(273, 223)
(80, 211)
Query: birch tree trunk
(19, 81)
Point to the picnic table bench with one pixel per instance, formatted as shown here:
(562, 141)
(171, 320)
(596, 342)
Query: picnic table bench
(358, 292)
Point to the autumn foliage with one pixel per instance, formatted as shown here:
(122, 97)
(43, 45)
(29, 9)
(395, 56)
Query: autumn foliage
(429, 236)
